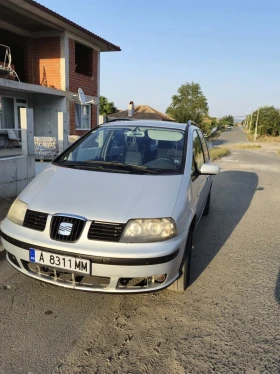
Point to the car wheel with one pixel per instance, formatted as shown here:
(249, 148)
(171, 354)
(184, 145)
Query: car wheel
(207, 206)
(183, 282)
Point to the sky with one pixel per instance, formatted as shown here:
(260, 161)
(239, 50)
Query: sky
(231, 48)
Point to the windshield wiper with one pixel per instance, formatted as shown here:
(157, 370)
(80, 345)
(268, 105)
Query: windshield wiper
(101, 166)
(123, 166)
(80, 165)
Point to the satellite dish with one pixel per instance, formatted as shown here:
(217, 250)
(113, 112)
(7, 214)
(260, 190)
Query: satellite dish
(81, 95)
(82, 98)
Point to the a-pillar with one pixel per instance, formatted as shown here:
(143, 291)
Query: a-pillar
(63, 131)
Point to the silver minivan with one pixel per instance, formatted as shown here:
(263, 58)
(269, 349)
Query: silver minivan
(116, 211)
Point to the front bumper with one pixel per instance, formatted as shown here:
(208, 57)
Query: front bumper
(128, 271)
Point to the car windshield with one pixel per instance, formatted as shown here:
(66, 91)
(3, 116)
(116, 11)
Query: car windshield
(128, 149)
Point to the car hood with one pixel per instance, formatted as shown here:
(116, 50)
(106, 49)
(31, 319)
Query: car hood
(111, 197)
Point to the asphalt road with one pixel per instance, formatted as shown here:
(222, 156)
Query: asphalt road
(228, 321)
(229, 137)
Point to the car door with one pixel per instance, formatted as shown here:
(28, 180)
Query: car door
(198, 181)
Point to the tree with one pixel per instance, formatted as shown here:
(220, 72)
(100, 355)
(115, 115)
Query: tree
(106, 107)
(208, 124)
(227, 121)
(188, 104)
(269, 121)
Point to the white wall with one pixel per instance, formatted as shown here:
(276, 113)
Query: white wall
(46, 110)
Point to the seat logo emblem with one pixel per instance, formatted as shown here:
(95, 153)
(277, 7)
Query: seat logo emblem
(65, 228)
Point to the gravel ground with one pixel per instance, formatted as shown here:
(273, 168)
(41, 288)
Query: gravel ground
(228, 321)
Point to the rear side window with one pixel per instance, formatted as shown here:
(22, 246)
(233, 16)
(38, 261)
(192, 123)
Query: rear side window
(204, 146)
(198, 155)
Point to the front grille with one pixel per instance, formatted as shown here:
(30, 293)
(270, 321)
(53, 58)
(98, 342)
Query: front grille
(35, 220)
(66, 233)
(106, 231)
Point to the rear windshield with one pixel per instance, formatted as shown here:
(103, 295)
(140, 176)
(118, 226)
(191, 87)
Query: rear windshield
(128, 149)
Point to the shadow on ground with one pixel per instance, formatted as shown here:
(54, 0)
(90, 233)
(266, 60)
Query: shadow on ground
(232, 193)
(220, 142)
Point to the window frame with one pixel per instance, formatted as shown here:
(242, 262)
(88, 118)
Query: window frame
(205, 149)
(81, 107)
(196, 173)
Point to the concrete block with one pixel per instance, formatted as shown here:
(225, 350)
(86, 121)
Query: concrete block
(8, 170)
(8, 189)
(30, 167)
(21, 165)
(20, 185)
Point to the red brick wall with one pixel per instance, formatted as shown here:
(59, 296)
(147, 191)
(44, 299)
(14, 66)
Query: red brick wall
(43, 54)
(72, 117)
(88, 84)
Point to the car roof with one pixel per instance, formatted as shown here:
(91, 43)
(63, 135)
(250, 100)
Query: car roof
(148, 123)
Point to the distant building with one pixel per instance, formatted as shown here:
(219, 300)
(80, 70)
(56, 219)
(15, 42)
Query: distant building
(140, 112)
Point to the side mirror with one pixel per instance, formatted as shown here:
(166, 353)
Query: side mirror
(209, 169)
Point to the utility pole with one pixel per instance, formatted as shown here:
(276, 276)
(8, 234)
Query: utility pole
(256, 128)
(250, 123)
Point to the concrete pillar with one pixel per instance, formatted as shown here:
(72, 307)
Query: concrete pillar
(27, 131)
(63, 131)
(102, 119)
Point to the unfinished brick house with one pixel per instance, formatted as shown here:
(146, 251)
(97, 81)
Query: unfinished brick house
(44, 59)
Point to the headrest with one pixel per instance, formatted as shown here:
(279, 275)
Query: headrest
(133, 147)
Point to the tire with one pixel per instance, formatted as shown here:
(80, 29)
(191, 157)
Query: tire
(183, 281)
(207, 206)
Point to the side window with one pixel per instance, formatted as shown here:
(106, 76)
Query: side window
(204, 146)
(198, 156)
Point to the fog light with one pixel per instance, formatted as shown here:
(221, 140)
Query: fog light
(160, 278)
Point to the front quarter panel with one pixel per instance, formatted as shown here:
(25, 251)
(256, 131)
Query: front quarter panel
(185, 208)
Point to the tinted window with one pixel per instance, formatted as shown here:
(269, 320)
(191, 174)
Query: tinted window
(198, 157)
(204, 146)
(158, 149)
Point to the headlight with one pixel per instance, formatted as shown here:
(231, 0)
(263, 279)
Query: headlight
(17, 212)
(149, 230)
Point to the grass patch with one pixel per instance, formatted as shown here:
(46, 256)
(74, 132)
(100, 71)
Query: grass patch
(218, 152)
(247, 146)
(262, 138)
(278, 152)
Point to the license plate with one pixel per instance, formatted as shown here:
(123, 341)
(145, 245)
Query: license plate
(59, 261)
